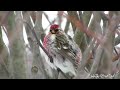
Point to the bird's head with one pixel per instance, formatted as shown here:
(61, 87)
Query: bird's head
(54, 28)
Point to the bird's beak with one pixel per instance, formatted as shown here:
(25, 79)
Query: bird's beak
(53, 31)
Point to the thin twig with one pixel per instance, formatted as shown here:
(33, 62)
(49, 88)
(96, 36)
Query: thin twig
(47, 17)
(104, 16)
(4, 66)
(3, 28)
(5, 18)
(86, 54)
(67, 26)
(116, 51)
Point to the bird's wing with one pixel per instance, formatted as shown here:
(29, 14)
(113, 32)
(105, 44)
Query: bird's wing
(67, 48)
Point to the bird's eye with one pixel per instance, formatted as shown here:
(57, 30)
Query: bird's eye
(54, 31)
(50, 30)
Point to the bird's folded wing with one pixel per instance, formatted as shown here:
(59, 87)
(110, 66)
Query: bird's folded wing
(66, 49)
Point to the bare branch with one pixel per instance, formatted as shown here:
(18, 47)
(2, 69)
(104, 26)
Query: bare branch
(47, 17)
(79, 36)
(67, 26)
(95, 23)
(97, 59)
(33, 32)
(4, 17)
(104, 16)
(38, 26)
(59, 17)
(86, 54)
(117, 40)
(74, 16)
(86, 17)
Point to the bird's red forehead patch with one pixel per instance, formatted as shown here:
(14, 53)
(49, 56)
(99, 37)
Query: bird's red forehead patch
(55, 26)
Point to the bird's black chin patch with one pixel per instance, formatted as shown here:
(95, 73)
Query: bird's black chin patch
(54, 31)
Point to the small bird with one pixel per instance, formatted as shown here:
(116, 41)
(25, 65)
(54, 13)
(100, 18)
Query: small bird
(65, 52)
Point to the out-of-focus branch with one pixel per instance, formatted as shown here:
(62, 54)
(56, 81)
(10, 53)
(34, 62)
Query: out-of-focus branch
(59, 17)
(50, 22)
(97, 59)
(80, 15)
(74, 16)
(33, 15)
(17, 48)
(86, 17)
(87, 55)
(85, 20)
(104, 16)
(4, 72)
(95, 23)
(32, 30)
(105, 25)
(4, 16)
(5, 30)
(80, 37)
(47, 17)
(38, 69)
(108, 45)
(117, 40)
(67, 26)
(114, 58)
(4, 65)
(80, 26)
(38, 26)
(103, 57)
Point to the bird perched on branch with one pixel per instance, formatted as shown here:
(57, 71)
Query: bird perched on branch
(65, 52)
